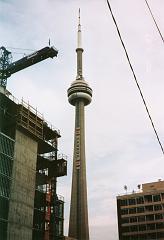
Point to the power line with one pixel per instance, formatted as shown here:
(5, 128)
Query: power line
(21, 53)
(26, 49)
(154, 21)
(135, 78)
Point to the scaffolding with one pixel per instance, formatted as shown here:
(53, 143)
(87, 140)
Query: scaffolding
(49, 208)
(47, 222)
(30, 119)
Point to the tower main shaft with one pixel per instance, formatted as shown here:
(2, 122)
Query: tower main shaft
(79, 95)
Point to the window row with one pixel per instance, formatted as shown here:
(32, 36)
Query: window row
(149, 208)
(143, 227)
(142, 199)
(147, 236)
(143, 218)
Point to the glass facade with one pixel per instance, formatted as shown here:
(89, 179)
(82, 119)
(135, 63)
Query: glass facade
(6, 163)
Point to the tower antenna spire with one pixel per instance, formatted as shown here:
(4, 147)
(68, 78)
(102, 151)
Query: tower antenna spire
(79, 38)
(79, 50)
(79, 16)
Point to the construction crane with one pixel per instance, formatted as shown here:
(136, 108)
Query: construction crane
(7, 67)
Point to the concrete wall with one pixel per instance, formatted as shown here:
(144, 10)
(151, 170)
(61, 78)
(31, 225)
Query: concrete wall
(153, 186)
(22, 188)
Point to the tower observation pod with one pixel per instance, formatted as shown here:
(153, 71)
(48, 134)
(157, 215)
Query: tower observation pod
(79, 95)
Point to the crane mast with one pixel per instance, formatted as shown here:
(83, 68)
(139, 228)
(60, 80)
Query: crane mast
(7, 68)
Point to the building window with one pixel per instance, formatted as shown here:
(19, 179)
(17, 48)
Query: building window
(158, 216)
(132, 210)
(135, 237)
(150, 217)
(125, 229)
(60, 210)
(160, 225)
(123, 202)
(160, 235)
(124, 211)
(149, 208)
(142, 227)
(148, 198)
(162, 196)
(158, 207)
(156, 198)
(60, 228)
(132, 201)
(125, 220)
(140, 200)
(126, 238)
(151, 227)
(143, 237)
(152, 236)
(133, 219)
(141, 218)
(140, 209)
(134, 228)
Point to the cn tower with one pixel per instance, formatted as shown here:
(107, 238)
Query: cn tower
(79, 95)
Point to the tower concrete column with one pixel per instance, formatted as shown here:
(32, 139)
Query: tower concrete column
(79, 95)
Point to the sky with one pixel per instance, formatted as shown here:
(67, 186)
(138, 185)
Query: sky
(121, 147)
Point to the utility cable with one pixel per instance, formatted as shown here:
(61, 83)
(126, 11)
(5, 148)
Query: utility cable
(26, 49)
(135, 78)
(154, 20)
(21, 53)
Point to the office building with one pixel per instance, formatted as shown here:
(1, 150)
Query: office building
(141, 214)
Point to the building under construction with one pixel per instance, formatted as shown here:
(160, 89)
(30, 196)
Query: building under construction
(30, 208)
(29, 167)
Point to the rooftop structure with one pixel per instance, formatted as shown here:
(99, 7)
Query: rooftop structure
(141, 214)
